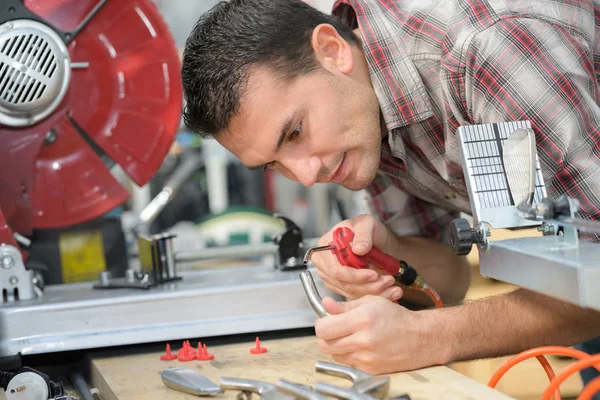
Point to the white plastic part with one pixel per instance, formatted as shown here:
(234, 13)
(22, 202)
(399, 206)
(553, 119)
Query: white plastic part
(27, 386)
(216, 160)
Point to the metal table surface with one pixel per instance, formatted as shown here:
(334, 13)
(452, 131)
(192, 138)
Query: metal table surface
(204, 303)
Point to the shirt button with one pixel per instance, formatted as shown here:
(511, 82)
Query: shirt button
(450, 196)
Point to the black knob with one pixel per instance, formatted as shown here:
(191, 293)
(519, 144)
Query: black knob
(462, 237)
(290, 244)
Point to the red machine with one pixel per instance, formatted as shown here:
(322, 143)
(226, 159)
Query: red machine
(84, 84)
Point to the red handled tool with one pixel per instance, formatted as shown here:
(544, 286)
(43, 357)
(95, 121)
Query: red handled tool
(341, 247)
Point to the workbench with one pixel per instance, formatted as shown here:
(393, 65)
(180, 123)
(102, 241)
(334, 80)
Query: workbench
(135, 374)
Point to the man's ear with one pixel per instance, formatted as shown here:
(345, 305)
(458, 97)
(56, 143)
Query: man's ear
(331, 50)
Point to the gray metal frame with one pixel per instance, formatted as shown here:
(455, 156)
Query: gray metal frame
(203, 304)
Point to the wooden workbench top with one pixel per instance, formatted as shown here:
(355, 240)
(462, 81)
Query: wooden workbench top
(137, 375)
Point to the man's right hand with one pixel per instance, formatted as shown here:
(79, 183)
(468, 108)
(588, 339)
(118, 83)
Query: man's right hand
(355, 283)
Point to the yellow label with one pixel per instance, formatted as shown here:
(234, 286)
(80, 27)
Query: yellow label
(81, 255)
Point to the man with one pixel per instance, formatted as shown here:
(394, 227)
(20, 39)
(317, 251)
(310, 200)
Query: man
(372, 99)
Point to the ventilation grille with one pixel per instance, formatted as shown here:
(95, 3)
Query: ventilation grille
(27, 67)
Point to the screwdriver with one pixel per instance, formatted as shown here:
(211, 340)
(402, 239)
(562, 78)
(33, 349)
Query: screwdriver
(402, 272)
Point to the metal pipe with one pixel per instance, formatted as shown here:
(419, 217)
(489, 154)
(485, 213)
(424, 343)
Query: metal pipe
(80, 385)
(241, 251)
(314, 298)
(313, 249)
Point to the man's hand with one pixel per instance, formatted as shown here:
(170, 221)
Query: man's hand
(354, 283)
(377, 336)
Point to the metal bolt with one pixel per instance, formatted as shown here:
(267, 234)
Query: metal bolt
(50, 137)
(8, 262)
(130, 274)
(13, 280)
(105, 277)
(9, 25)
(23, 68)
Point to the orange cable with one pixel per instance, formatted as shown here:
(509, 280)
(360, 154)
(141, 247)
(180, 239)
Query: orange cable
(538, 353)
(433, 295)
(590, 389)
(550, 373)
(570, 370)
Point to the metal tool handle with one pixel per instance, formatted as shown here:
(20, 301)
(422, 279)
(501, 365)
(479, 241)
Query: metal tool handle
(246, 385)
(341, 371)
(314, 298)
(340, 392)
(301, 392)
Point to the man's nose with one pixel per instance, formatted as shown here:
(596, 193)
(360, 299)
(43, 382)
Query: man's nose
(305, 169)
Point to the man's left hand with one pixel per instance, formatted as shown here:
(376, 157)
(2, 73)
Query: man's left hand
(378, 336)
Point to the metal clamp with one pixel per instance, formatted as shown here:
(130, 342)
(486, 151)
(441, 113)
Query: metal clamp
(363, 383)
(156, 256)
(16, 283)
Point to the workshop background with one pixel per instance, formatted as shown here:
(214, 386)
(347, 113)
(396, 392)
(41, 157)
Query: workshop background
(218, 202)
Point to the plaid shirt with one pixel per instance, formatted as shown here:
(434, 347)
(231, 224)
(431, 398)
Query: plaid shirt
(437, 65)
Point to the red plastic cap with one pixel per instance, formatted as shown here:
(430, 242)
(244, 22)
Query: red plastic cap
(203, 354)
(187, 352)
(168, 356)
(258, 349)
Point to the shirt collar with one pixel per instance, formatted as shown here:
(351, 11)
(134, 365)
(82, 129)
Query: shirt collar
(396, 81)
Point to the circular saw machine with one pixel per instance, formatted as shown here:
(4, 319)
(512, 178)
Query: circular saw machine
(84, 85)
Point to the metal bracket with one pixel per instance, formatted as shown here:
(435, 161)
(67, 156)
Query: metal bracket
(156, 256)
(16, 283)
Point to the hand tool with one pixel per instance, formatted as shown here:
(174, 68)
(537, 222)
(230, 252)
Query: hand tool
(302, 392)
(189, 381)
(341, 393)
(314, 298)
(363, 383)
(404, 274)
(266, 390)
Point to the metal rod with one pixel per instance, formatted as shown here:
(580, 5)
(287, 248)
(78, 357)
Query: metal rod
(313, 249)
(583, 225)
(80, 65)
(314, 298)
(85, 20)
(80, 385)
(240, 251)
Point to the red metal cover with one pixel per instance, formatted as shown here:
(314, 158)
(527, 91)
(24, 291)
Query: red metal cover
(128, 101)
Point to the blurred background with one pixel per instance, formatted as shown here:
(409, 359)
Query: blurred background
(221, 185)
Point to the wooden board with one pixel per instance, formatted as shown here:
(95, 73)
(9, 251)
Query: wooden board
(137, 376)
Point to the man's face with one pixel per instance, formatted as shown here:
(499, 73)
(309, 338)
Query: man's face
(321, 127)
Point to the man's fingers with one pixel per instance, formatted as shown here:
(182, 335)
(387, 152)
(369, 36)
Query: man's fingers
(352, 275)
(333, 307)
(393, 293)
(341, 322)
(363, 236)
(340, 346)
(376, 288)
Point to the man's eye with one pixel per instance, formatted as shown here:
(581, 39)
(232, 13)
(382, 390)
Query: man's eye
(296, 132)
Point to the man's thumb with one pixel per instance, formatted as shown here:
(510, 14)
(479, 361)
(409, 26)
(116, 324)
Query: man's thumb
(360, 246)
(338, 307)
